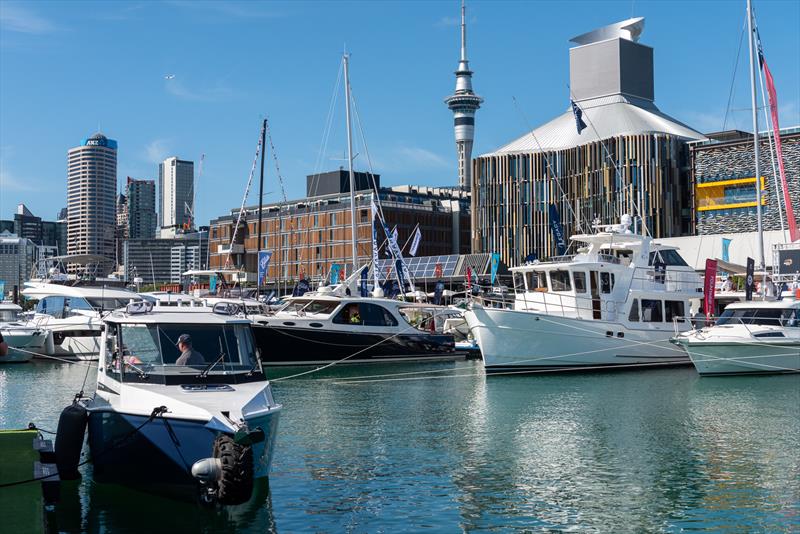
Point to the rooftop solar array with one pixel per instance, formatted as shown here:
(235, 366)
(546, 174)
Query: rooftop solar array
(425, 267)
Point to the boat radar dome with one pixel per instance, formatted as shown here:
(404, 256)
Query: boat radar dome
(630, 29)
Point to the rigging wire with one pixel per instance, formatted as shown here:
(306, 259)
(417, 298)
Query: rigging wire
(242, 210)
(732, 90)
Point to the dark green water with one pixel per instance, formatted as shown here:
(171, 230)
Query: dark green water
(656, 450)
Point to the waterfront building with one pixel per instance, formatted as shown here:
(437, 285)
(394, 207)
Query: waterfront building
(43, 233)
(464, 103)
(160, 261)
(629, 158)
(91, 196)
(723, 171)
(175, 195)
(309, 235)
(142, 218)
(17, 255)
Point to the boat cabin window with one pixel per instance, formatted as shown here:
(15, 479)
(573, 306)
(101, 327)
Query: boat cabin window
(53, 306)
(673, 309)
(310, 306)
(519, 281)
(651, 311)
(536, 280)
(139, 352)
(667, 257)
(424, 319)
(633, 316)
(365, 314)
(579, 278)
(8, 315)
(606, 282)
(109, 303)
(559, 281)
(76, 303)
(761, 316)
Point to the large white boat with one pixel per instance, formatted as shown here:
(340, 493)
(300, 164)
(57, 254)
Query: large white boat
(612, 304)
(22, 340)
(748, 338)
(155, 419)
(72, 316)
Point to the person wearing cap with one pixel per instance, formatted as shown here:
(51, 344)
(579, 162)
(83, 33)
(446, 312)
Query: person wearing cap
(188, 356)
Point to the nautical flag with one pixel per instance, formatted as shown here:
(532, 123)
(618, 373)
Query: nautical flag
(794, 234)
(726, 243)
(578, 117)
(709, 286)
(749, 281)
(263, 263)
(415, 242)
(495, 264)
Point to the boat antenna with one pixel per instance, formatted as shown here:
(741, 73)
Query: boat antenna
(754, 105)
(353, 250)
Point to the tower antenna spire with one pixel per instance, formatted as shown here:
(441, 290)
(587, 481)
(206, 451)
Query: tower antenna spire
(463, 31)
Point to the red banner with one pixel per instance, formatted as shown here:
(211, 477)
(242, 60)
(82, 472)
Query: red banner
(709, 286)
(794, 235)
(469, 278)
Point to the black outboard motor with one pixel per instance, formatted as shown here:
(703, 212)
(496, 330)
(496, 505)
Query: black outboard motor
(69, 440)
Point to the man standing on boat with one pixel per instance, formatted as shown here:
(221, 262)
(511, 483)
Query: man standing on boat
(188, 356)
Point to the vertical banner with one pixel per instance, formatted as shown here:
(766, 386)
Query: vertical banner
(726, 243)
(469, 278)
(212, 284)
(495, 264)
(558, 231)
(375, 274)
(750, 280)
(363, 286)
(263, 263)
(335, 273)
(709, 286)
(415, 242)
(400, 275)
(437, 271)
(437, 292)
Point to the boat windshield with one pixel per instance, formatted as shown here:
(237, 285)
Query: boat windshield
(761, 316)
(150, 352)
(7, 316)
(310, 306)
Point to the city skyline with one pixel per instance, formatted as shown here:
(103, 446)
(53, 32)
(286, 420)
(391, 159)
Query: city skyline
(193, 96)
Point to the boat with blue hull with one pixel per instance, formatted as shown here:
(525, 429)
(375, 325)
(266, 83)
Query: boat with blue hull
(182, 400)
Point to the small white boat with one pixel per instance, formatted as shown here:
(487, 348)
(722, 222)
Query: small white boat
(157, 420)
(748, 338)
(18, 335)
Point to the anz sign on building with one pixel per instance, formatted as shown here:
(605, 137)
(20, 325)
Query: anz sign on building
(100, 141)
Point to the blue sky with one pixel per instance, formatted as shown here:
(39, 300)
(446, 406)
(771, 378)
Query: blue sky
(67, 67)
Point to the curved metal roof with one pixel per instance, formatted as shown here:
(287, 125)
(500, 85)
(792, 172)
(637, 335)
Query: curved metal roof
(605, 117)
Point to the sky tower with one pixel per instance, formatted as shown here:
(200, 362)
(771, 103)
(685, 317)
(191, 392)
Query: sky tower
(463, 103)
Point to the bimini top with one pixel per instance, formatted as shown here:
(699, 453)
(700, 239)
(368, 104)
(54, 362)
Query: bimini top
(40, 290)
(605, 117)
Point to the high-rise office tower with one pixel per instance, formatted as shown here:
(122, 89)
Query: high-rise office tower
(175, 194)
(142, 220)
(91, 199)
(464, 103)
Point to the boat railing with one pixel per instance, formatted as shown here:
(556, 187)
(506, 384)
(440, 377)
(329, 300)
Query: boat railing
(572, 305)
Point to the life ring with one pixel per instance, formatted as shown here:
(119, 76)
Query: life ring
(235, 484)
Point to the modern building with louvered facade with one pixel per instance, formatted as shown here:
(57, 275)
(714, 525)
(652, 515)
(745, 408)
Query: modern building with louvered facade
(91, 199)
(630, 158)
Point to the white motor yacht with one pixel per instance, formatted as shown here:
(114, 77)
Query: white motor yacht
(755, 337)
(209, 423)
(612, 304)
(22, 340)
(72, 316)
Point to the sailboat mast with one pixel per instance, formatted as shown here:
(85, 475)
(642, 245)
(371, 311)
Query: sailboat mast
(260, 210)
(754, 103)
(346, 59)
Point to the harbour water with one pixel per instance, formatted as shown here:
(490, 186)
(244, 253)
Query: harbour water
(443, 448)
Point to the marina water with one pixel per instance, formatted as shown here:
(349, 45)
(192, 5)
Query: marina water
(442, 447)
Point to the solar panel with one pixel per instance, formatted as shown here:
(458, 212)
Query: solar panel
(425, 266)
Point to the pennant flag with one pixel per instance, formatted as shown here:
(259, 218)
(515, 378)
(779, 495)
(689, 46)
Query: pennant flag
(794, 234)
(415, 242)
(495, 264)
(709, 286)
(578, 117)
(263, 263)
(726, 243)
(750, 279)
(558, 231)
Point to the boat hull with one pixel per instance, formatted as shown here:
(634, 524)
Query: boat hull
(723, 359)
(163, 450)
(519, 341)
(27, 340)
(301, 346)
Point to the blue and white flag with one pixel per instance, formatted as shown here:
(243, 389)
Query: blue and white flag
(415, 242)
(335, 273)
(495, 264)
(578, 117)
(558, 231)
(263, 263)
